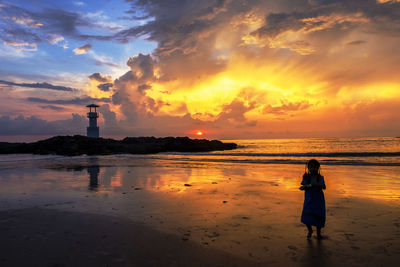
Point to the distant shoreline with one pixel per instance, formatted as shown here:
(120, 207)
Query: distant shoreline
(79, 145)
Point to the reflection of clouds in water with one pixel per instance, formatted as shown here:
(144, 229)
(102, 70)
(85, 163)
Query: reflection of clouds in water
(152, 179)
(234, 171)
(122, 178)
(116, 180)
(107, 175)
(17, 174)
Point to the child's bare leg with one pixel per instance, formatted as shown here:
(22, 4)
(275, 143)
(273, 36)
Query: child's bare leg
(309, 231)
(319, 232)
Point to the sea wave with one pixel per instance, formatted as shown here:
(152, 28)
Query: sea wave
(307, 154)
(332, 158)
(297, 161)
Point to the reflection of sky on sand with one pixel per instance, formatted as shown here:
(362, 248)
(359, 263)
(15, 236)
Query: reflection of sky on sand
(246, 209)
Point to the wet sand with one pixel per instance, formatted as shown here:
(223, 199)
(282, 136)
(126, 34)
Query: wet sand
(49, 237)
(98, 212)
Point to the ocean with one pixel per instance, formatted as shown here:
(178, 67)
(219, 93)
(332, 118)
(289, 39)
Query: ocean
(244, 202)
(371, 151)
(367, 151)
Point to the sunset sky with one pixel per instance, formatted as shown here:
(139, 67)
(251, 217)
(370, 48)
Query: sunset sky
(228, 68)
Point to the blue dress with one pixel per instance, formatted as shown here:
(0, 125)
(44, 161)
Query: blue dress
(314, 203)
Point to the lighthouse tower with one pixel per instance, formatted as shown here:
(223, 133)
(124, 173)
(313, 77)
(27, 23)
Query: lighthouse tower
(93, 129)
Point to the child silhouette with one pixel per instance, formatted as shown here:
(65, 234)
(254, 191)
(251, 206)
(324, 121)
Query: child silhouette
(314, 201)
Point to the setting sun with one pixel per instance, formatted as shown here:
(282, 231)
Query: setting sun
(199, 133)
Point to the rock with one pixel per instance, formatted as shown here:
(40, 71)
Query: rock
(79, 145)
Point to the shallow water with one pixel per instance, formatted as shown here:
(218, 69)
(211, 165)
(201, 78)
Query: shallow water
(371, 151)
(249, 210)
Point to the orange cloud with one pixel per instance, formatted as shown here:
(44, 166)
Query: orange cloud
(83, 49)
(258, 69)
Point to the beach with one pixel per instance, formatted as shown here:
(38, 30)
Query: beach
(122, 210)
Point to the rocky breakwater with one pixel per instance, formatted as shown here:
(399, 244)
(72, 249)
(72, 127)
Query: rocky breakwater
(79, 145)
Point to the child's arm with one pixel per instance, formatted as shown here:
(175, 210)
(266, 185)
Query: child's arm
(305, 186)
(322, 186)
(305, 183)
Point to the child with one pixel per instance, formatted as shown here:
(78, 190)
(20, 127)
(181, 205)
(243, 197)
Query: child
(314, 201)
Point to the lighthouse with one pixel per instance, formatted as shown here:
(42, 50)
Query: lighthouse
(93, 129)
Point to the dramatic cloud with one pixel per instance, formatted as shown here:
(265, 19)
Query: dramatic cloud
(83, 49)
(357, 42)
(100, 77)
(246, 63)
(35, 126)
(43, 85)
(75, 101)
(105, 86)
(235, 68)
(110, 118)
(52, 107)
(21, 25)
(286, 108)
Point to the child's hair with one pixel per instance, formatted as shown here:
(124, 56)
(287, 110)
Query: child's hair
(312, 161)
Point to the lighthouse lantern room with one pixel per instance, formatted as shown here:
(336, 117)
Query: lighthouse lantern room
(93, 129)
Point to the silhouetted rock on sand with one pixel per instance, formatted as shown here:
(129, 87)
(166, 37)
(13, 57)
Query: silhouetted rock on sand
(78, 145)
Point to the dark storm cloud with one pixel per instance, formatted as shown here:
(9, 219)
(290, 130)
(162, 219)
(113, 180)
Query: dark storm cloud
(43, 85)
(75, 101)
(110, 118)
(100, 77)
(52, 107)
(234, 114)
(357, 42)
(23, 25)
(384, 16)
(61, 21)
(143, 87)
(105, 86)
(17, 33)
(142, 66)
(176, 23)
